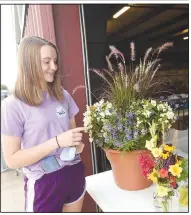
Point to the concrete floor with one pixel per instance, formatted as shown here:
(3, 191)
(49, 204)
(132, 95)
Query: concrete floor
(12, 192)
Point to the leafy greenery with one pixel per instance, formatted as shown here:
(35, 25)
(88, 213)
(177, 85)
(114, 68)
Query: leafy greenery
(184, 173)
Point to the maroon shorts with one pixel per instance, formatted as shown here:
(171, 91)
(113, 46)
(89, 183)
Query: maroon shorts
(53, 190)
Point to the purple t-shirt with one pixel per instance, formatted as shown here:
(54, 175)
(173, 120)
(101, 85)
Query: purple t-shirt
(37, 124)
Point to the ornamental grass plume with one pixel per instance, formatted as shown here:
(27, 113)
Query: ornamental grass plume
(123, 86)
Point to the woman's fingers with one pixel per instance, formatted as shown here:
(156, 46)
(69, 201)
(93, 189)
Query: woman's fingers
(77, 135)
(77, 139)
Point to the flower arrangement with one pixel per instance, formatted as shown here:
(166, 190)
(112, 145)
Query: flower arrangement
(122, 122)
(166, 170)
(129, 118)
(112, 129)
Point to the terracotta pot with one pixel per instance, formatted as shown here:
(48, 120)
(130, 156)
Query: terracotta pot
(126, 169)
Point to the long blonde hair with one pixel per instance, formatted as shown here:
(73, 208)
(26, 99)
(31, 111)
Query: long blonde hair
(30, 78)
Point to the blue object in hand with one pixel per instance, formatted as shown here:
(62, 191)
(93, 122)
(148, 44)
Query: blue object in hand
(68, 154)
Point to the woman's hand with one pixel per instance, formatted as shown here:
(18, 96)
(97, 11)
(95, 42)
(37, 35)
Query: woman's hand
(80, 148)
(72, 137)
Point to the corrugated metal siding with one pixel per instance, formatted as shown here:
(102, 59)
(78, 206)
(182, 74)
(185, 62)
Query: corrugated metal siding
(39, 22)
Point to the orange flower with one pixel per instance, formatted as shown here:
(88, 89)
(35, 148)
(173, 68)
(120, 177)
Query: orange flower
(163, 173)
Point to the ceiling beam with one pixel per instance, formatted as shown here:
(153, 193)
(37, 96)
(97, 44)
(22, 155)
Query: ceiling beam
(145, 17)
(164, 25)
(185, 31)
(168, 34)
(166, 6)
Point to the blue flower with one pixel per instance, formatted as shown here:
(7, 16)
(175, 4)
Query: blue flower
(128, 131)
(130, 115)
(129, 137)
(136, 133)
(114, 135)
(118, 144)
(108, 127)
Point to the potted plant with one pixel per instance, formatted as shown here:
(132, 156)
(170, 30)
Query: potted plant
(121, 122)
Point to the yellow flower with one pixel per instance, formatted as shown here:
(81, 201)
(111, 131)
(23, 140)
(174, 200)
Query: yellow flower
(169, 148)
(156, 152)
(179, 162)
(153, 176)
(162, 191)
(175, 170)
(165, 155)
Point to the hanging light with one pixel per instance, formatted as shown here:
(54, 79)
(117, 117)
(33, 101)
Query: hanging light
(120, 12)
(185, 38)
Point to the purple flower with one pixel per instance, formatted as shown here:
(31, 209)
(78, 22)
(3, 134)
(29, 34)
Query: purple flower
(129, 137)
(130, 115)
(128, 131)
(118, 144)
(114, 135)
(170, 161)
(108, 127)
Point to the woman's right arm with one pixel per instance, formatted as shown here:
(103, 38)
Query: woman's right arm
(15, 157)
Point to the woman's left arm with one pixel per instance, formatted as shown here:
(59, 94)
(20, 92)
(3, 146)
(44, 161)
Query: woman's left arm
(80, 147)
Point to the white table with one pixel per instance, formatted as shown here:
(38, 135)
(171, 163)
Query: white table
(111, 198)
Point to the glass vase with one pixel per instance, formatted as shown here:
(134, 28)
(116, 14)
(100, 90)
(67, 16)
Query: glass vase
(166, 205)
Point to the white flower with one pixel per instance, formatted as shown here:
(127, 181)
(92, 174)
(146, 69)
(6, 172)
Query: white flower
(138, 122)
(107, 113)
(156, 152)
(102, 114)
(105, 135)
(161, 107)
(147, 113)
(109, 105)
(170, 115)
(101, 102)
(153, 102)
(149, 144)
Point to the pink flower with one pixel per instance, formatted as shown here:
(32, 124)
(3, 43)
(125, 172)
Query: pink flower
(163, 173)
(147, 164)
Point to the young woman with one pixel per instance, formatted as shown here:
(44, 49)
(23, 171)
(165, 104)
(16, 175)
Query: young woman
(37, 123)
